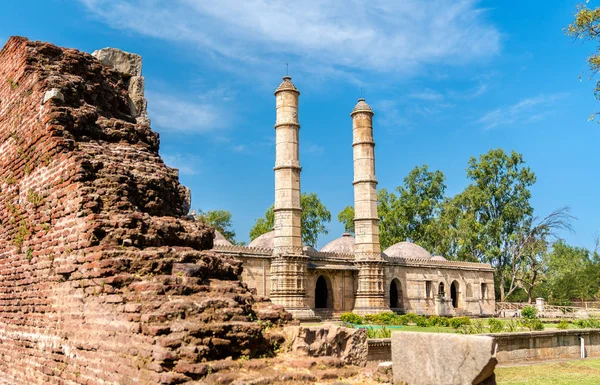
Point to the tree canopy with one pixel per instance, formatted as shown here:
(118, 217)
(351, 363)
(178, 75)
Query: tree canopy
(315, 216)
(220, 220)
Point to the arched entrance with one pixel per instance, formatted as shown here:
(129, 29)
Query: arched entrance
(454, 294)
(395, 294)
(322, 294)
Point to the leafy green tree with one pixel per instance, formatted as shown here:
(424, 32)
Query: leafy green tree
(572, 273)
(586, 26)
(220, 220)
(411, 214)
(315, 216)
(346, 217)
(494, 211)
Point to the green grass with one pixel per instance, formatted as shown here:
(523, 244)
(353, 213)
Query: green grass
(579, 372)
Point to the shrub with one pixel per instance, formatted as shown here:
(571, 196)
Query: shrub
(562, 325)
(528, 312)
(495, 325)
(351, 318)
(532, 324)
(379, 333)
(457, 322)
(589, 323)
(437, 321)
(512, 326)
(411, 318)
(421, 321)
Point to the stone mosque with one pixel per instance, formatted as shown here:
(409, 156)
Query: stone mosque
(349, 274)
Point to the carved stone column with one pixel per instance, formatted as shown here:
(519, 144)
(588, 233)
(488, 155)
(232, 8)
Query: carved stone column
(288, 268)
(370, 294)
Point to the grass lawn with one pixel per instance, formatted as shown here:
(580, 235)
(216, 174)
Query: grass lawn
(580, 372)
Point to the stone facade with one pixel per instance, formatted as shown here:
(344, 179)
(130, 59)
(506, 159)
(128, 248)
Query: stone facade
(350, 274)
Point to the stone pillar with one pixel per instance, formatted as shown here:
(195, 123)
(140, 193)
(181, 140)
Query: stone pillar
(288, 267)
(539, 305)
(370, 294)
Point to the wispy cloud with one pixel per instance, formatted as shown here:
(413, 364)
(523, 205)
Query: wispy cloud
(187, 164)
(381, 35)
(173, 113)
(427, 94)
(524, 111)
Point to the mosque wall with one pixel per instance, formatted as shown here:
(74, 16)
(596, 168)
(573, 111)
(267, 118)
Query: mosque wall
(341, 285)
(256, 273)
(419, 288)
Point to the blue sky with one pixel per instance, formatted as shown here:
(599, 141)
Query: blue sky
(448, 79)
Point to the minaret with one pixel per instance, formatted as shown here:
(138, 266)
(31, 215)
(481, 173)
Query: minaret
(288, 266)
(370, 294)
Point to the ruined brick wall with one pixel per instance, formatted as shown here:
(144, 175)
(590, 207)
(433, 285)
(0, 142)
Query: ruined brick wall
(102, 278)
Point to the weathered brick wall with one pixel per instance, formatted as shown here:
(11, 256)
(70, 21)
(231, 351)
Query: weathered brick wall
(102, 279)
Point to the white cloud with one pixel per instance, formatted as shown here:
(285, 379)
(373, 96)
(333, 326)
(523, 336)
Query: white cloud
(524, 111)
(187, 164)
(173, 113)
(427, 94)
(381, 35)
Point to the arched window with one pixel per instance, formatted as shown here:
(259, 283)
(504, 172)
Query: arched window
(441, 291)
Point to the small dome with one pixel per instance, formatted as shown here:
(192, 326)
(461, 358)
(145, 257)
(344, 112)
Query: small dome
(287, 85)
(220, 240)
(438, 258)
(362, 106)
(265, 241)
(407, 250)
(343, 244)
(308, 248)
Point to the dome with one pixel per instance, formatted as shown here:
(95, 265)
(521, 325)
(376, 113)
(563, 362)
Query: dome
(265, 241)
(343, 244)
(438, 258)
(220, 240)
(362, 106)
(308, 249)
(407, 250)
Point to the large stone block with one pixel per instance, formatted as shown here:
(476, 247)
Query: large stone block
(349, 345)
(124, 62)
(436, 358)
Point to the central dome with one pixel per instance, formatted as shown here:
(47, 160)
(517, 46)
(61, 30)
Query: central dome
(220, 240)
(343, 244)
(407, 250)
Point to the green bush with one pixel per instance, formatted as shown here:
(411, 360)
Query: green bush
(379, 333)
(437, 321)
(421, 321)
(495, 325)
(351, 318)
(562, 325)
(475, 327)
(511, 326)
(387, 318)
(532, 324)
(411, 318)
(458, 322)
(528, 312)
(589, 323)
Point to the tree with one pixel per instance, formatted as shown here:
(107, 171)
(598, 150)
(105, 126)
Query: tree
(488, 218)
(586, 26)
(220, 220)
(411, 214)
(572, 273)
(315, 216)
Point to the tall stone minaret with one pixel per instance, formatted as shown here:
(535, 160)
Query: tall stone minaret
(370, 293)
(288, 266)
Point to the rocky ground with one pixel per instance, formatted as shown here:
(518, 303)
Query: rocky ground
(290, 369)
